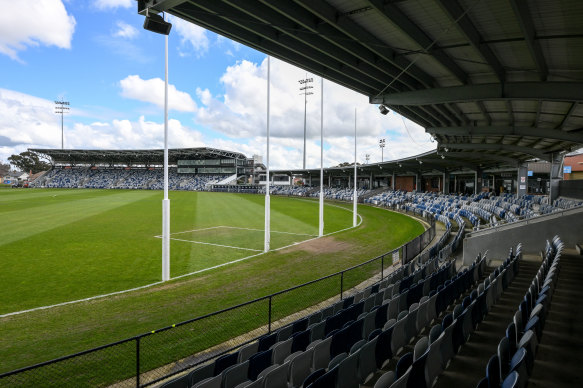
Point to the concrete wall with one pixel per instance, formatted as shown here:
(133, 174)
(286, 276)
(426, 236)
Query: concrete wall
(406, 183)
(571, 189)
(532, 233)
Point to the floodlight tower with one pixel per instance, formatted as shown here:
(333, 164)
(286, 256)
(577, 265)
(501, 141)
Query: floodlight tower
(62, 107)
(159, 25)
(367, 157)
(382, 145)
(305, 90)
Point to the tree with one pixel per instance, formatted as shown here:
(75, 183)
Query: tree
(29, 161)
(346, 164)
(4, 169)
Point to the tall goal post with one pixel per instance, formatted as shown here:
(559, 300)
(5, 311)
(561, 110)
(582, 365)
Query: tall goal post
(267, 238)
(165, 201)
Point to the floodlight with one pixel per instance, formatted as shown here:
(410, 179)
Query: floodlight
(384, 110)
(157, 24)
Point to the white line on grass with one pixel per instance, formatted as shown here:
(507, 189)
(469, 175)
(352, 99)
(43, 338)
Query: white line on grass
(80, 300)
(184, 275)
(217, 245)
(271, 231)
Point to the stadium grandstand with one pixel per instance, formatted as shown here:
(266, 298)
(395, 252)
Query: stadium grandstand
(493, 298)
(194, 169)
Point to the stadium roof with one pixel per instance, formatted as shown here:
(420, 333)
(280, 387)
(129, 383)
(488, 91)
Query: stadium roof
(136, 156)
(489, 79)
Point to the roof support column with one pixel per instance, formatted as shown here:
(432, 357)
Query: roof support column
(445, 182)
(521, 184)
(478, 181)
(393, 180)
(556, 175)
(417, 182)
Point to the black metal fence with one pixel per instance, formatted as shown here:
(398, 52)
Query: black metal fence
(149, 358)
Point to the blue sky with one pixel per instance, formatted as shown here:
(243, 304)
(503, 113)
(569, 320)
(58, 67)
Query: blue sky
(97, 56)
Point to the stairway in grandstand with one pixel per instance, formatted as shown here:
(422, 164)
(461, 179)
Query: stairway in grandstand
(560, 352)
(231, 179)
(467, 367)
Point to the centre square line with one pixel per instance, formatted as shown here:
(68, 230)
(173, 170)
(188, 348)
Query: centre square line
(217, 245)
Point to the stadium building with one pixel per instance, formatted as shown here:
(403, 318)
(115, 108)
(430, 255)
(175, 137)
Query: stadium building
(490, 298)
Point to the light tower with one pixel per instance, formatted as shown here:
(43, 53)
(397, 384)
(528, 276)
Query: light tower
(305, 90)
(62, 107)
(367, 157)
(382, 145)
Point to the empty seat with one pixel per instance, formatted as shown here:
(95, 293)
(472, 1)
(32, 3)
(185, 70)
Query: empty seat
(386, 380)
(211, 382)
(322, 354)
(511, 381)
(276, 377)
(504, 357)
(258, 362)
(300, 367)
(493, 371)
(281, 350)
(313, 376)
(384, 349)
(327, 380)
(224, 362)
(201, 373)
(367, 364)
(403, 364)
(348, 372)
(247, 351)
(284, 333)
(300, 341)
(235, 375)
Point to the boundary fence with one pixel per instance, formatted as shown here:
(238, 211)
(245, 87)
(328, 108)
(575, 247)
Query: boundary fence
(149, 358)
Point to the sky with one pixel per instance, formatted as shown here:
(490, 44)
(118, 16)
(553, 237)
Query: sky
(96, 55)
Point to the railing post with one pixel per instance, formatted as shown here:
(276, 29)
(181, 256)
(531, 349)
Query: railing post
(341, 284)
(382, 267)
(138, 362)
(269, 325)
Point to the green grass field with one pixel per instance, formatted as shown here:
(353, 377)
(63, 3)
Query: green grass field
(65, 245)
(62, 245)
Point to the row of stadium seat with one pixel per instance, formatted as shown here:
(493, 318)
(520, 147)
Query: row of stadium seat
(513, 363)
(328, 320)
(433, 353)
(126, 179)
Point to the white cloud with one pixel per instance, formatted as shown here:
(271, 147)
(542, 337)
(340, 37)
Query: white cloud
(111, 4)
(240, 113)
(152, 91)
(125, 30)
(29, 122)
(192, 37)
(28, 23)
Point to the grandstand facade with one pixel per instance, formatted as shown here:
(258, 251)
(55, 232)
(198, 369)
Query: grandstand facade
(193, 169)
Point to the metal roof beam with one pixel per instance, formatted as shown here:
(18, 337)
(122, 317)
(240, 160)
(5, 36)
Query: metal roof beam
(328, 33)
(479, 155)
(567, 116)
(351, 29)
(498, 147)
(392, 13)
(221, 26)
(545, 133)
(523, 15)
(285, 30)
(243, 20)
(547, 91)
(466, 26)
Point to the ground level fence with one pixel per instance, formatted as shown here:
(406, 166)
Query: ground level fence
(149, 358)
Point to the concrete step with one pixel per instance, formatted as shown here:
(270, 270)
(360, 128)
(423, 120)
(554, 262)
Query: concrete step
(469, 365)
